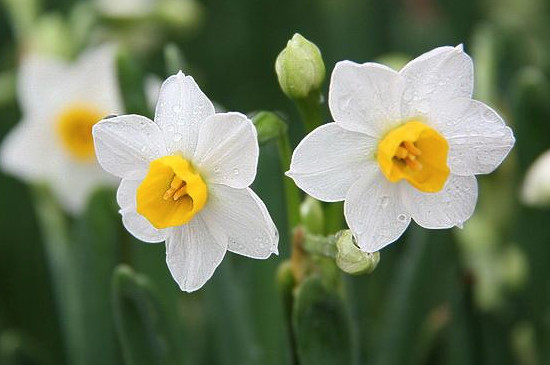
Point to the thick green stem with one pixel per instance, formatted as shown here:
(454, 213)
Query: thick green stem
(320, 245)
(334, 217)
(310, 110)
(54, 229)
(292, 193)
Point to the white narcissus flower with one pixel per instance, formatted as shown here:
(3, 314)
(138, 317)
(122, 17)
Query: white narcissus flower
(404, 145)
(185, 180)
(536, 187)
(53, 142)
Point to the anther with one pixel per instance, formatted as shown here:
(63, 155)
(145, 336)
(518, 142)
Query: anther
(181, 192)
(413, 164)
(175, 186)
(401, 153)
(411, 148)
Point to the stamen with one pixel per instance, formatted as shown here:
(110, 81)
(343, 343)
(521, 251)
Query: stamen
(411, 148)
(401, 153)
(174, 186)
(181, 192)
(413, 164)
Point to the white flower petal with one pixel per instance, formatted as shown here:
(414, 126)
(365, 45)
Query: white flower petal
(23, 149)
(95, 81)
(329, 160)
(40, 83)
(447, 208)
(365, 98)
(227, 150)
(126, 144)
(193, 252)
(73, 183)
(435, 77)
(536, 187)
(479, 140)
(135, 223)
(375, 213)
(244, 219)
(181, 108)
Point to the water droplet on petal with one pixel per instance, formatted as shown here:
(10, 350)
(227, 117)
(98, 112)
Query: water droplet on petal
(177, 137)
(402, 218)
(235, 171)
(384, 201)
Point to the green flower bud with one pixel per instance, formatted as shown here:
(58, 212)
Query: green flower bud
(181, 14)
(514, 267)
(351, 259)
(52, 35)
(300, 68)
(268, 126)
(311, 215)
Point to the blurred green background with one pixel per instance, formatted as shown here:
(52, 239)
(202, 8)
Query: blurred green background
(475, 296)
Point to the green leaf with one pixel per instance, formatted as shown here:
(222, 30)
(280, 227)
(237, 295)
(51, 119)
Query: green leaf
(141, 325)
(95, 253)
(16, 349)
(321, 325)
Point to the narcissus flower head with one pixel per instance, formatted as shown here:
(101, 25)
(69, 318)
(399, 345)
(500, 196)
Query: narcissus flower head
(404, 145)
(185, 180)
(60, 104)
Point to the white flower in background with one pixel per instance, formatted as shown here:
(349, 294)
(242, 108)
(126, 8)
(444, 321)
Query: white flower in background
(53, 142)
(404, 145)
(536, 187)
(186, 179)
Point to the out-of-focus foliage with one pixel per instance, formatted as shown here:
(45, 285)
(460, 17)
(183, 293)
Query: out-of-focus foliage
(476, 296)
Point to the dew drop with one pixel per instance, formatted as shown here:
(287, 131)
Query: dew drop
(384, 201)
(402, 218)
(177, 137)
(235, 171)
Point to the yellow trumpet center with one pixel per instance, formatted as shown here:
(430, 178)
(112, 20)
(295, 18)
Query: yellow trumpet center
(171, 193)
(74, 128)
(416, 153)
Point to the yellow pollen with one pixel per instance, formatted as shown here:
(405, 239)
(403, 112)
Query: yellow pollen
(411, 148)
(171, 193)
(175, 186)
(180, 192)
(74, 128)
(417, 153)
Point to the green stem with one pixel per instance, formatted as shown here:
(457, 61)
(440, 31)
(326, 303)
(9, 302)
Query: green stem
(320, 245)
(310, 110)
(334, 217)
(292, 193)
(54, 229)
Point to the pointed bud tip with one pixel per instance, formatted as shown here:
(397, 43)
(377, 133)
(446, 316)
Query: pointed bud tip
(300, 68)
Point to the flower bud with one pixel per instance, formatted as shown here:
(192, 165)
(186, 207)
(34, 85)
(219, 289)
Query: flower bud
(514, 267)
(536, 188)
(311, 215)
(300, 68)
(268, 126)
(351, 259)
